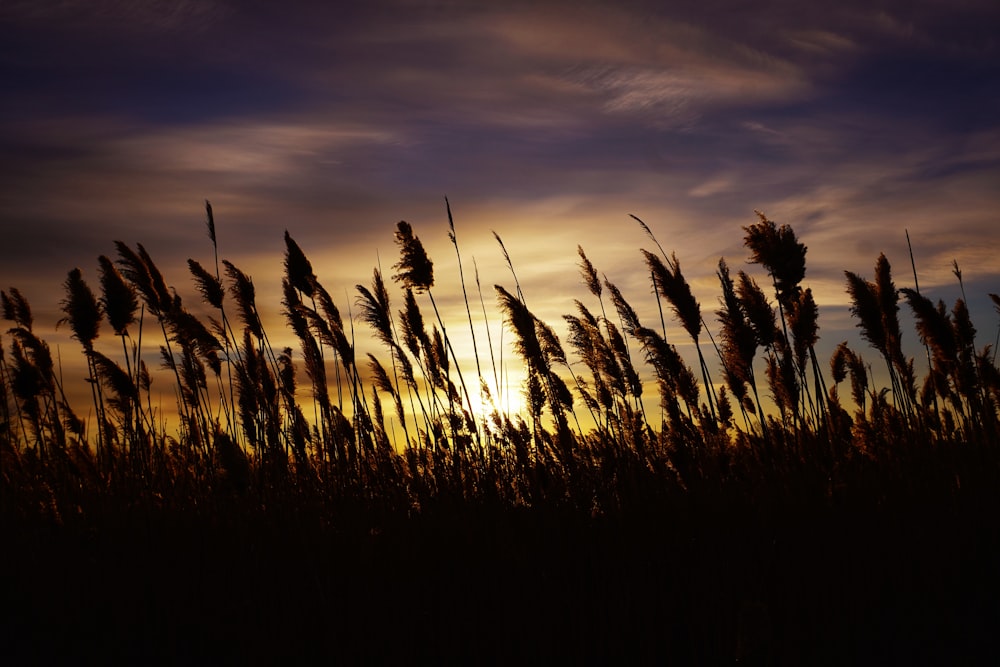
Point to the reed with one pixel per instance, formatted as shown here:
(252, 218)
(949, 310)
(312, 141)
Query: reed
(264, 422)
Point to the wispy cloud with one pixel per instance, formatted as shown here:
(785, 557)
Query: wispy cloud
(250, 150)
(120, 14)
(683, 93)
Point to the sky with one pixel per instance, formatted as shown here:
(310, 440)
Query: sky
(548, 122)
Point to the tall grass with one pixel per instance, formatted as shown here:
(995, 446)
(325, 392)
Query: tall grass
(246, 423)
(342, 492)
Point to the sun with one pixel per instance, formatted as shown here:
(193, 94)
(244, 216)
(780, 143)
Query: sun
(503, 394)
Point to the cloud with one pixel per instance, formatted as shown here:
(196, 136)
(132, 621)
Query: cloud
(682, 93)
(821, 42)
(711, 187)
(249, 150)
(160, 15)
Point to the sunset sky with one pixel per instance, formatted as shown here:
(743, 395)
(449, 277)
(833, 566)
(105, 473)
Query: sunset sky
(548, 122)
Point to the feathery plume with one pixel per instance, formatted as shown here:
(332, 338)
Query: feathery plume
(298, 269)
(413, 333)
(115, 378)
(866, 308)
(671, 285)
(738, 336)
(838, 362)
(888, 298)
(671, 371)
(438, 363)
(759, 312)
(210, 219)
(158, 284)
(190, 332)
(119, 299)
(16, 308)
(845, 360)
(933, 326)
(242, 290)
(136, 270)
(523, 323)
(589, 274)
(416, 270)
(334, 324)
(208, 285)
(617, 342)
(630, 320)
(82, 312)
(381, 381)
(286, 372)
(803, 319)
(739, 340)
(549, 342)
(374, 305)
(782, 378)
(779, 251)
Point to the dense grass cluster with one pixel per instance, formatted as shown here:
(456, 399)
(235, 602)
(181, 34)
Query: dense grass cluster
(252, 443)
(246, 426)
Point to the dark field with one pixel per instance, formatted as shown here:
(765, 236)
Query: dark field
(749, 574)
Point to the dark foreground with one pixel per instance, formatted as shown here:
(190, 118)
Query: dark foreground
(714, 576)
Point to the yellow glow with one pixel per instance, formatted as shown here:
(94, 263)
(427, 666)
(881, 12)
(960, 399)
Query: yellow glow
(508, 399)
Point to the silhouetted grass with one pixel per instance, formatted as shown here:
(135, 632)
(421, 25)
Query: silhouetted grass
(285, 522)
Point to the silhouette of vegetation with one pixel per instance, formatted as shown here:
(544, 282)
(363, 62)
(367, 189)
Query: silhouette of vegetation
(742, 533)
